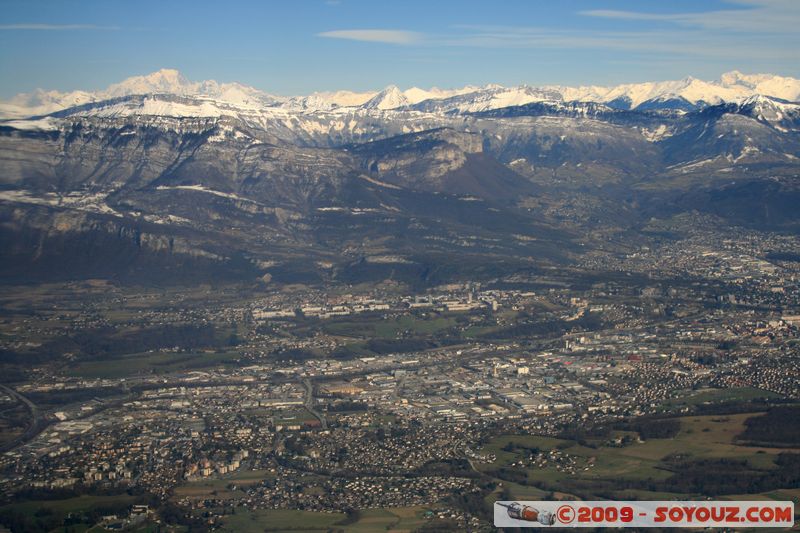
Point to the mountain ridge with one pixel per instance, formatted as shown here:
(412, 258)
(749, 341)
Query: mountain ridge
(731, 87)
(224, 181)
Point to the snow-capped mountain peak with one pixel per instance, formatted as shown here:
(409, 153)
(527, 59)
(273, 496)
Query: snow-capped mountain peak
(389, 98)
(781, 87)
(164, 81)
(415, 95)
(167, 81)
(330, 99)
(685, 94)
(171, 81)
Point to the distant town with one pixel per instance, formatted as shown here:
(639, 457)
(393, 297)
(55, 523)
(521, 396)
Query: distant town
(303, 407)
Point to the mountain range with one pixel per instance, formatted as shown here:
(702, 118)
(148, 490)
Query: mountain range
(688, 93)
(162, 178)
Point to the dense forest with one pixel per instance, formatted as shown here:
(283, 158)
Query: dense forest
(779, 427)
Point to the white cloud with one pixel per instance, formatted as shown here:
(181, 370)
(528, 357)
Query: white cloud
(755, 30)
(770, 16)
(686, 42)
(375, 36)
(55, 27)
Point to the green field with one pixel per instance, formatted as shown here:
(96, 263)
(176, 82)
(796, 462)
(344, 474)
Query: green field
(53, 512)
(700, 437)
(71, 505)
(279, 520)
(476, 330)
(400, 520)
(294, 416)
(740, 394)
(146, 363)
(219, 488)
(379, 328)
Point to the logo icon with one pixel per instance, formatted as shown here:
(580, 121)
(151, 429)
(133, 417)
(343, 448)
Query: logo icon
(565, 514)
(527, 513)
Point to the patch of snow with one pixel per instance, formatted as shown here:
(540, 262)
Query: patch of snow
(661, 132)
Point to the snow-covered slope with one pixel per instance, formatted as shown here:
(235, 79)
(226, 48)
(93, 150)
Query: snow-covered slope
(488, 98)
(764, 84)
(389, 98)
(330, 100)
(780, 114)
(686, 94)
(689, 89)
(41, 102)
(169, 81)
(416, 95)
(680, 94)
(164, 81)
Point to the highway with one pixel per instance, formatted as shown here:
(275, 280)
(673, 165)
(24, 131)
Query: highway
(310, 404)
(37, 422)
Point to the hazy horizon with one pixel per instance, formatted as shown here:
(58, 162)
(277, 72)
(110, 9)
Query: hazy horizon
(266, 90)
(354, 45)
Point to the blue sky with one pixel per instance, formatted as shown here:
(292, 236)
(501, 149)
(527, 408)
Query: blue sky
(300, 46)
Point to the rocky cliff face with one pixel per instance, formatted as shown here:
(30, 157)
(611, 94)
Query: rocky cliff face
(144, 184)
